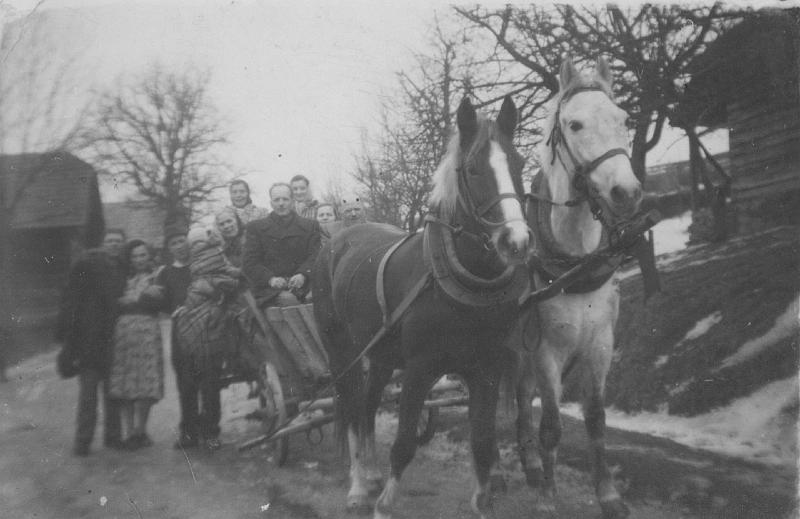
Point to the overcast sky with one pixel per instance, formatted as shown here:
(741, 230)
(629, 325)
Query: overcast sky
(297, 82)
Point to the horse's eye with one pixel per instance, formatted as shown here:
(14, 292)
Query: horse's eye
(575, 126)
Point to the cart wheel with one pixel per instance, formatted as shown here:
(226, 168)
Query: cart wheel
(426, 427)
(272, 391)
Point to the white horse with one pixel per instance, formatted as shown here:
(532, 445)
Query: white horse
(587, 187)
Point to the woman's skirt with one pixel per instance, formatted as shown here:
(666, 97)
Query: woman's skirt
(137, 366)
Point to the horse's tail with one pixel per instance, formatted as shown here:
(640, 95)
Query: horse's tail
(349, 384)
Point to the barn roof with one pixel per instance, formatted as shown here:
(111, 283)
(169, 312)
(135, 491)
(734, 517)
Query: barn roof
(47, 190)
(764, 48)
(139, 220)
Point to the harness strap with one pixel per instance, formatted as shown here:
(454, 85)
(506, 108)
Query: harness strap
(387, 326)
(380, 290)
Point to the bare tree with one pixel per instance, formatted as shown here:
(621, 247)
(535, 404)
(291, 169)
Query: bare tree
(395, 170)
(649, 47)
(40, 108)
(160, 134)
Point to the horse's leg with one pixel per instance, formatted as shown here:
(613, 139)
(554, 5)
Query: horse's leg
(379, 375)
(527, 443)
(594, 415)
(548, 375)
(483, 392)
(418, 378)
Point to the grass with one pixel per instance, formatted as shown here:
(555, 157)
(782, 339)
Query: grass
(750, 282)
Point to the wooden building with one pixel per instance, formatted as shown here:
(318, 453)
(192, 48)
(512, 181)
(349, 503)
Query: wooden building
(52, 203)
(748, 81)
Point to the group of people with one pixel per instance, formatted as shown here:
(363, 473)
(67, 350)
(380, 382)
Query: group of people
(109, 318)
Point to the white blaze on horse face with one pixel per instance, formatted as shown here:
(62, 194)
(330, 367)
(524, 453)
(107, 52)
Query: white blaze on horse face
(511, 208)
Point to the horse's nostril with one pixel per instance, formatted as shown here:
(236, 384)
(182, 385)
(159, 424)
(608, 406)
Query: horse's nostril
(618, 195)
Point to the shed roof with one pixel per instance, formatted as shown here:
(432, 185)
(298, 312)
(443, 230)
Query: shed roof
(763, 48)
(47, 190)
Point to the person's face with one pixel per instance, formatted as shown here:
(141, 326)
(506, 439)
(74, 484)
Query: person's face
(281, 200)
(239, 195)
(325, 214)
(140, 258)
(352, 214)
(299, 190)
(112, 244)
(178, 248)
(227, 225)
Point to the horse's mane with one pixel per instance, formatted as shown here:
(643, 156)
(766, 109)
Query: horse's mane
(444, 195)
(580, 81)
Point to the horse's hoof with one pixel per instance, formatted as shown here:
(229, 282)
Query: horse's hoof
(381, 512)
(482, 504)
(614, 509)
(546, 502)
(375, 486)
(497, 484)
(534, 477)
(359, 504)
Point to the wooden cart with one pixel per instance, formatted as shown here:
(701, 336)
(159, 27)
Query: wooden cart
(294, 380)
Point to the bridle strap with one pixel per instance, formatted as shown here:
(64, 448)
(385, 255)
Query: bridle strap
(478, 212)
(581, 171)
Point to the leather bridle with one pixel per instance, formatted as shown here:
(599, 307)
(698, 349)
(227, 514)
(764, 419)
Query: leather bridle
(581, 171)
(478, 211)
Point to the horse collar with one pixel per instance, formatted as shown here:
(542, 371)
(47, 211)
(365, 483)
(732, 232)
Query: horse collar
(549, 260)
(461, 286)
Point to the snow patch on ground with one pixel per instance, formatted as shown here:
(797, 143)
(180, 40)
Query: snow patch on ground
(671, 234)
(702, 327)
(759, 427)
(785, 325)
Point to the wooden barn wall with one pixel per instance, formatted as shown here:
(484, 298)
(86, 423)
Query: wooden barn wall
(764, 142)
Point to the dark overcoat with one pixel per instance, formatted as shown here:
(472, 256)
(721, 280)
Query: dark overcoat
(279, 247)
(89, 309)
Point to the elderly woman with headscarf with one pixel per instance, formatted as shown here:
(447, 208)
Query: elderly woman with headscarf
(231, 229)
(328, 220)
(242, 204)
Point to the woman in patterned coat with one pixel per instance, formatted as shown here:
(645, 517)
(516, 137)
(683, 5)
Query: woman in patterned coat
(137, 369)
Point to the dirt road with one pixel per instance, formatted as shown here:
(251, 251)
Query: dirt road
(40, 478)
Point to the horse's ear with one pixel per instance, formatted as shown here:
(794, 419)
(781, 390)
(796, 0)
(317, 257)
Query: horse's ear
(467, 121)
(604, 71)
(567, 74)
(507, 120)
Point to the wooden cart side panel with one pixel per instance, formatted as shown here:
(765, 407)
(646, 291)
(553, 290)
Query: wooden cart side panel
(307, 313)
(272, 350)
(306, 340)
(304, 363)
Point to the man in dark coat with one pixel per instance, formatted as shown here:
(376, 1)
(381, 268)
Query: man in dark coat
(85, 329)
(280, 250)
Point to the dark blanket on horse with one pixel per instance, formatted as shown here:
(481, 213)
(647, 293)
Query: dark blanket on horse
(354, 259)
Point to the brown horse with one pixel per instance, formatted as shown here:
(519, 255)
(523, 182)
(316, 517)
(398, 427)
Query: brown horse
(585, 193)
(460, 280)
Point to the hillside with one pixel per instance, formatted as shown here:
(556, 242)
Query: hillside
(719, 342)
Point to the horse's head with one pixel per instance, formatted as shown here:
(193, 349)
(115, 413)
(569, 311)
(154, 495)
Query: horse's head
(479, 182)
(589, 138)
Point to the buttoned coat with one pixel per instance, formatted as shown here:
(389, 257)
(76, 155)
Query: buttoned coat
(89, 310)
(279, 247)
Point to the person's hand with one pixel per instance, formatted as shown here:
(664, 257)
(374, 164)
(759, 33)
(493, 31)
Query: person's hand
(278, 283)
(154, 292)
(297, 281)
